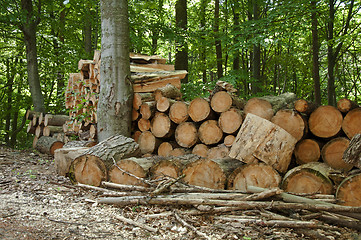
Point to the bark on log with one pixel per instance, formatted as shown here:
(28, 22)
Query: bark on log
(282, 101)
(134, 166)
(259, 175)
(325, 121)
(91, 167)
(345, 105)
(50, 130)
(304, 106)
(292, 122)
(307, 150)
(230, 120)
(209, 132)
(310, 178)
(148, 143)
(186, 134)
(147, 109)
(333, 151)
(200, 150)
(261, 139)
(352, 154)
(48, 145)
(349, 191)
(161, 126)
(55, 120)
(75, 144)
(64, 156)
(168, 91)
(259, 107)
(199, 110)
(178, 112)
(351, 123)
(218, 152)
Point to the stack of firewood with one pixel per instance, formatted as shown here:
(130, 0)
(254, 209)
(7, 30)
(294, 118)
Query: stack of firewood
(148, 74)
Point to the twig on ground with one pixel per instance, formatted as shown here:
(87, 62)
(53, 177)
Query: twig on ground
(138, 224)
(184, 223)
(166, 186)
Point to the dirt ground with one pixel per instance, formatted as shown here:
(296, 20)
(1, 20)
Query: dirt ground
(35, 203)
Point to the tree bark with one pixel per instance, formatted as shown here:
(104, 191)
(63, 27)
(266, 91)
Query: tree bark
(218, 42)
(181, 58)
(352, 154)
(116, 93)
(315, 52)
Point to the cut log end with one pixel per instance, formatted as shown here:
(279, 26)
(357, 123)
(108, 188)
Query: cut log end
(199, 109)
(349, 191)
(351, 123)
(209, 132)
(122, 177)
(88, 170)
(178, 112)
(221, 101)
(307, 150)
(259, 107)
(186, 134)
(332, 153)
(230, 120)
(325, 122)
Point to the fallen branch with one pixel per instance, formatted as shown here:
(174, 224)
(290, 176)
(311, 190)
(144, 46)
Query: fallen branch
(99, 189)
(127, 187)
(184, 223)
(166, 186)
(132, 222)
(267, 193)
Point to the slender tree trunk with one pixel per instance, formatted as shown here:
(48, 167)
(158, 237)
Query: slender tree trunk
(256, 63)
(236, 58)
(315, 52)
(116, 93)
(331, 58)
(9, 93)
(218, 42)
(202, 46)
(87, 32)
(181, 57)
(29, 30)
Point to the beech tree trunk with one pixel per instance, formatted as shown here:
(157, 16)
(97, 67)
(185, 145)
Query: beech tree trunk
(48, 145)
(116, 92)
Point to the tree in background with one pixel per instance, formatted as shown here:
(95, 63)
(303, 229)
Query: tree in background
(181, 56)
(116, 92)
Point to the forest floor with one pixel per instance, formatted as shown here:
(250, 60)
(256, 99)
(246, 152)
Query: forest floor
(35, 203)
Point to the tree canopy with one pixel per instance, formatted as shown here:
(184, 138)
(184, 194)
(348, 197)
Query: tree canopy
(311, 48)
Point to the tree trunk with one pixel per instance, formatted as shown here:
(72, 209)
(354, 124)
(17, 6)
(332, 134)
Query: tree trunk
(181, 58)
(310, 178)
(256, 61)
(259, 139)
(315, 52)
(351, 123)
(259, 175)
(325, 122)
(218, 42)
(29, 30)
(116, 93)
(333, 151)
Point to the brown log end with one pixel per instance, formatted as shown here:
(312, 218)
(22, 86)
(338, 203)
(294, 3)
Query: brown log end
(259, 107)
(148, 143)
(325, 121)
(345, 105)
(200, 150)
(165, 168)
(230, 120)
(349, 191)
(178, 112)
(291, 121)
(209, 132)
(122, 177)
(351, 123)
(186, 134)
(307, 150)
(332, 153)
(228, 140)
(204, 173)
(161, 126)
(221, 101)
(165, 149)
(199, 109)
(259, 175)
(218, 152)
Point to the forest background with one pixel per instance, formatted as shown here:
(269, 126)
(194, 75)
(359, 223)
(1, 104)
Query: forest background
(311, 48)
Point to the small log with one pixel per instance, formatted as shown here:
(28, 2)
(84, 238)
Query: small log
(221, 101)
(352, 154)
(166, 168)
(165, 149)
(186, 134)
(163, 104)
(48, 145)
(200, 150)
(230, 120)
(333, 151)
(39, 131)
(55, 120)
(259, 175)
(351, 123)
(345, 105)
(325, 121)
(310, 178)
(229, 140)
(31, 128)
(135, 114)
(178, 112)
(261, 139)
(137, 101)
(161, 126)
(307, 150)
(349, 191)
(177, 152)
(168, 91)
(199, 110)
(148, 143)
(136, 135)
(259, 107)
(304, 106)
(218, 152)
(209, 132)
(127, 168)
(64, 156)
(147, 109)
(50, 130)
(204, 173)
(91, 167)
(292, 122)
(143, 124)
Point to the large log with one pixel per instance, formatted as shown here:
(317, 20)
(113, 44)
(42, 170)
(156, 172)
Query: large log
(325, 121)
(64, 156)
(259, 139)
(223, 101)
(209, 132)
(230, 120)
(349, 191)
(307, 150)
(292, 122)
(199, 110)
(351, 123)
(91, 167)
(352, 154)
(259, 175)
(178, 112)
(310, 178)
(186, 134)
(332, 153)
(48, 145)
(50, 130)
(168, 91)
(259, 107)
(161, 126)
(282, 101)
